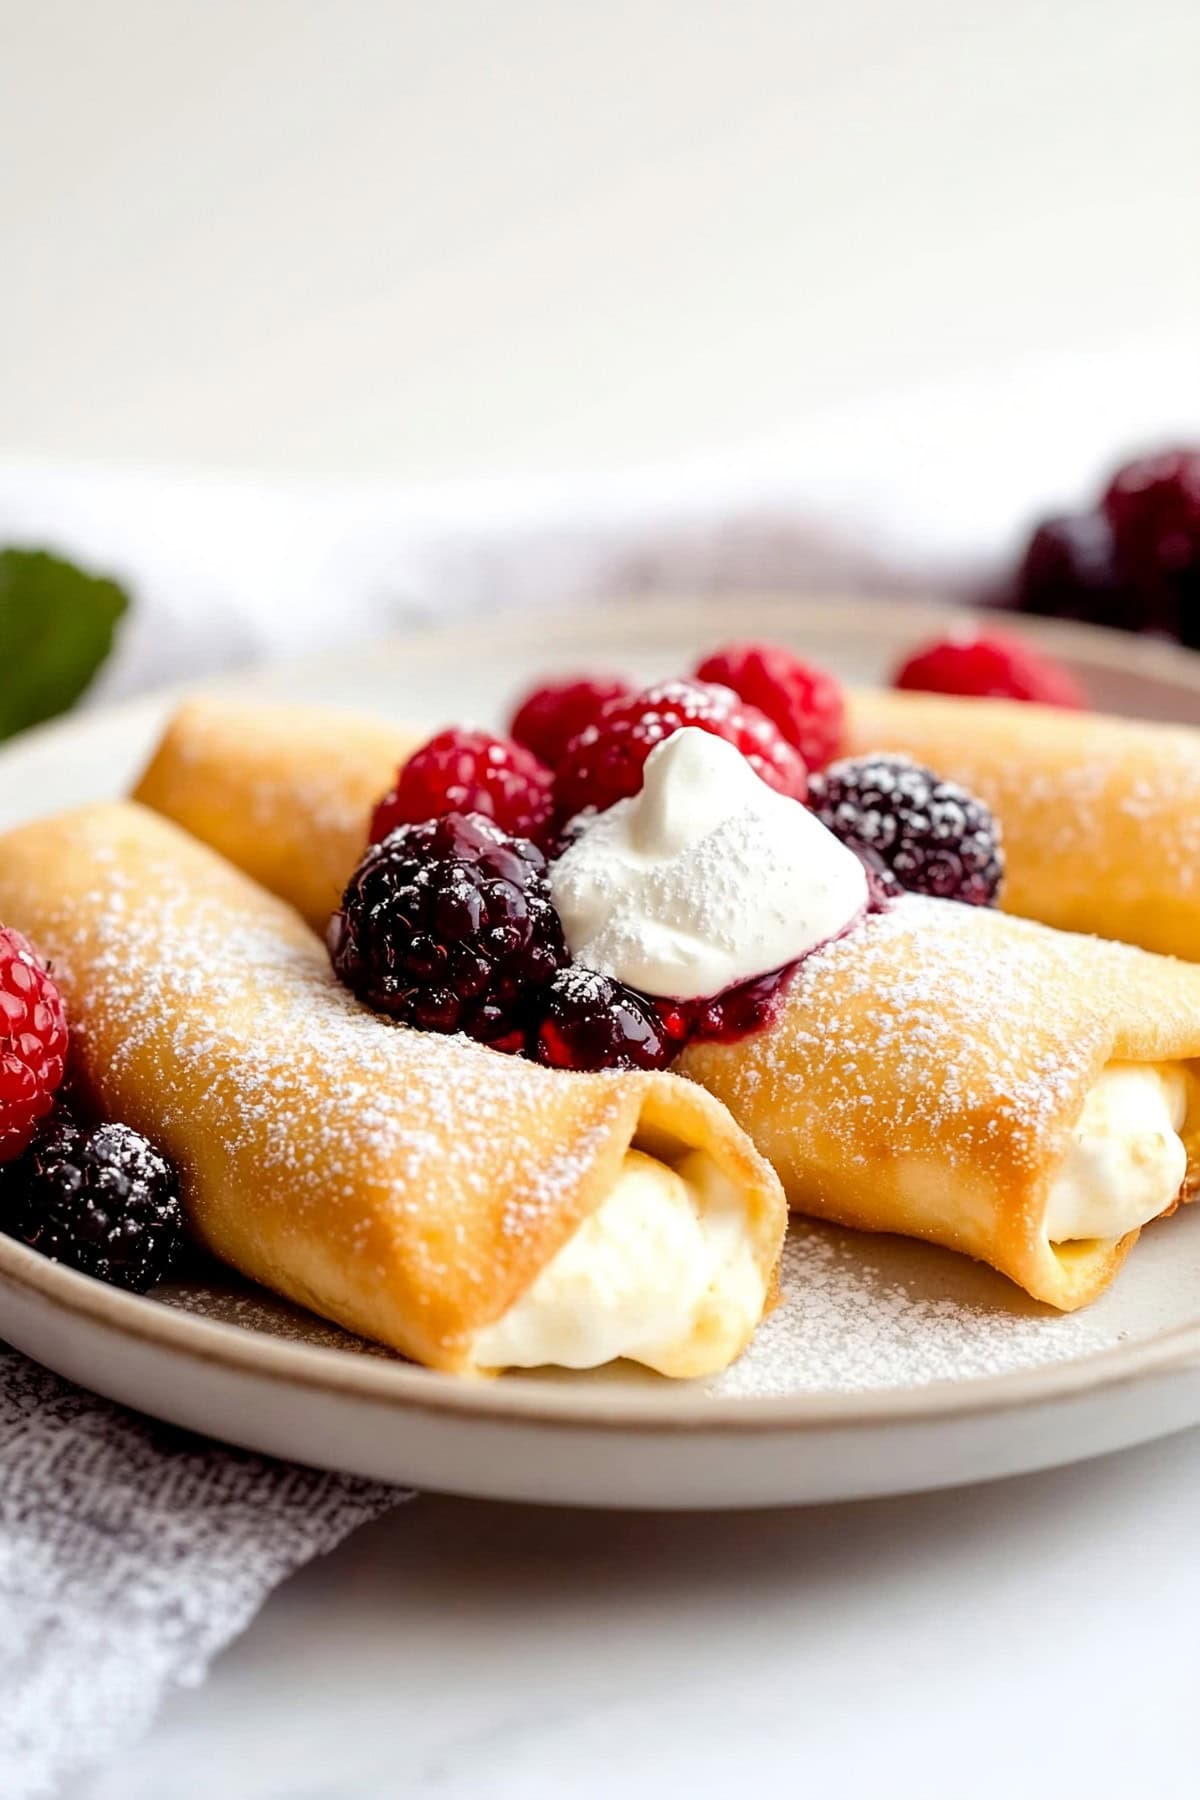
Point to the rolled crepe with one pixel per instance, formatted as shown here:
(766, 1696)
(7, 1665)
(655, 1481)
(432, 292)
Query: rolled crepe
(934, 1073)
(467, 1208)
(285, 792)
(939, 1073)
(1101, 816)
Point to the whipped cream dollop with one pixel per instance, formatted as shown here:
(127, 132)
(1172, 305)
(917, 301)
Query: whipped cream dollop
(705, 878)
(663, 1272)
(1127, 1162)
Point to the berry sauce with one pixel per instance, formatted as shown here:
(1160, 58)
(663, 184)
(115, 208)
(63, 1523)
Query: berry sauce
(753, 1005)
(737, 1013)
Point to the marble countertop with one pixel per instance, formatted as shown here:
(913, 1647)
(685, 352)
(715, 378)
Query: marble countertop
(1034, 1636)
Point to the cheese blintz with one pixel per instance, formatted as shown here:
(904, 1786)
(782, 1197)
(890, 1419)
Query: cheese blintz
(1027, 1096)
(1100, 816)
(466, 1208)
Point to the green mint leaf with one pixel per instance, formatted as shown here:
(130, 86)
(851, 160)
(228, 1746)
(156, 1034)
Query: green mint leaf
(56, 628)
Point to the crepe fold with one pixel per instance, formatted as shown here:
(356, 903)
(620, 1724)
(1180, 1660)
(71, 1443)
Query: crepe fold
(1100, 816)
(410, 1187)
(285, 792)
(926, 1073)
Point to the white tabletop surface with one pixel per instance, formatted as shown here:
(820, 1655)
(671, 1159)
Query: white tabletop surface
(1034, 1637)
(450, 240)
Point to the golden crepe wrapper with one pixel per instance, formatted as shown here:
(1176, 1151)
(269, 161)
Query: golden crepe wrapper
(925, 1073)
(409, 1186)
(1100, 816)
(285, 792)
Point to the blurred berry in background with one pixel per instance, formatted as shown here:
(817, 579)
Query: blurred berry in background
(1133, 561)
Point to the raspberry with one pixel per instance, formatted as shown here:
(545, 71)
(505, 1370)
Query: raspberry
(101, 1200)
(604, 763)
(994, 667)
(590, 1021)
(929, 836)
(469, 771)
(448, 925)
(33, 1042)
(551, 715)
(802, 700)
(1153, 507)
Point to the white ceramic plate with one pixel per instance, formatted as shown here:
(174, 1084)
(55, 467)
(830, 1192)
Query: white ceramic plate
(891, 1366)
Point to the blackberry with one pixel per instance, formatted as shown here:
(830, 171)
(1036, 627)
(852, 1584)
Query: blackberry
(925, 835)
(1069, 572)
(100, 1199)
(1132, 562)
(448, 925)
(1153, 507)
(590, 1021)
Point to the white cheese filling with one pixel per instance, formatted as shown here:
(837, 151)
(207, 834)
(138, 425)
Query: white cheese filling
(663, 1272)
(1127, 1162)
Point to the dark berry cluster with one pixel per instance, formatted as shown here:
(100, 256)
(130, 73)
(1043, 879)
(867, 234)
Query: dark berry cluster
(925, 835)
(590, 1021)
(100, 1199)
(448, 925)
(1133, 561)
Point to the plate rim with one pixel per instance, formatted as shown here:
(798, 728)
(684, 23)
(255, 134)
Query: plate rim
(532, 1400)
(1115, 652)
(535, 1400)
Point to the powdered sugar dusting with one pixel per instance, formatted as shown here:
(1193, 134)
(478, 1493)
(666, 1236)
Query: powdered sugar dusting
(953, 1031)
(862, 1314)
(1147, 782)
(327, 788)
(216, 1013)
(1101, 816)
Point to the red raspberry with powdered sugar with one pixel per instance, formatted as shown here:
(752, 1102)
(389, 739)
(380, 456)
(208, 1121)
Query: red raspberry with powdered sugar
(805, 702)
(554, 712)
(33, 1042)
(604, 763)
(470, 772)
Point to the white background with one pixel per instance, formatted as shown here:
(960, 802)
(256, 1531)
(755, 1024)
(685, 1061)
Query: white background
(456, 239)
(438, 237)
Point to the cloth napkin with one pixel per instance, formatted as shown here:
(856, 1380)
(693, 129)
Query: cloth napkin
(927, 491)
(226, 574)
(130, 1555)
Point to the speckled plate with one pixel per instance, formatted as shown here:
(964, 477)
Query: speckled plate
(890, 1366)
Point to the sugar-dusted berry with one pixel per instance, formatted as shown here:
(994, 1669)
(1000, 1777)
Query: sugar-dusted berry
(470, 771)
(590, 1021)
(448, 925)
(101, 1199)
(923, 834)
(551, 714)
(604, 763)
(804, 701)
(33, 1042)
